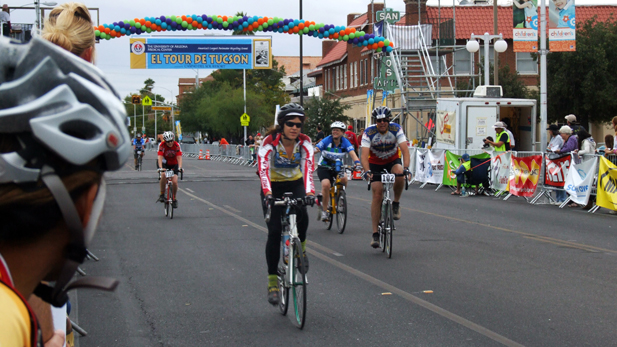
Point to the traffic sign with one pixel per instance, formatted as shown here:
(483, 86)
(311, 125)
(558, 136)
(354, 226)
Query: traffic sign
(386, 79)
(244, 120)
(389, 15)
(146, 101)
(136, 99)
(161, 108)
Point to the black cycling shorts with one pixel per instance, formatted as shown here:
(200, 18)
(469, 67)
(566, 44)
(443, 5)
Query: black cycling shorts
(377, 169)
(324, 172)
(171, 167)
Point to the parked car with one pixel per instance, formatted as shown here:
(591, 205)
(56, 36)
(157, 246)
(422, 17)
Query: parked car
(188, 139)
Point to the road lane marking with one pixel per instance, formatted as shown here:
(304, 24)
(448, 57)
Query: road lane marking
(231, 208)
(190, 190)
(388, 287)
(522, 233)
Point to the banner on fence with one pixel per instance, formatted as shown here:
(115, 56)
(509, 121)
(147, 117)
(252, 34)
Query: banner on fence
(525, 174)
(580, 179)
(422, 164)
(556, 171)
(607, 185)
(453, 162)
(446, 126)
(500, 170)
(436, 158)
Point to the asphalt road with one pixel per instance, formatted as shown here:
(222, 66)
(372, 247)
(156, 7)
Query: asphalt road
(464, 272)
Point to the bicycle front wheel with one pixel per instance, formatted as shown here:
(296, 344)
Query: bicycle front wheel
(283, 290)
(341, 211)
(298, 285)
(170, 210)
(389, 228)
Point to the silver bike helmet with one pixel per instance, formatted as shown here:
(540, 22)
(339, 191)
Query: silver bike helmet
(66, 116)
(338, 125)
(381, 112)
(289, 110)
(168, 136)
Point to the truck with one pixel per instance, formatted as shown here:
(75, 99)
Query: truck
(463, 123)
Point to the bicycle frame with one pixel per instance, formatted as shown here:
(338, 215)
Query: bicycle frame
(336, 186)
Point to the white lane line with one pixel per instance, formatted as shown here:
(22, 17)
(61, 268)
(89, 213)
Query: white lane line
(388, 287)
(231, 208)
(190, 190)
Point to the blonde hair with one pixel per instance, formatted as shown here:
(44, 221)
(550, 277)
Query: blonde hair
(70, 26)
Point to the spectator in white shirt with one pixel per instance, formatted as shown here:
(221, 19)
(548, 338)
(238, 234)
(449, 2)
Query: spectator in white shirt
(5, 20)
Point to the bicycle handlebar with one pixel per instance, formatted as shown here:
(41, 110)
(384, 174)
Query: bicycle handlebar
(284, 202)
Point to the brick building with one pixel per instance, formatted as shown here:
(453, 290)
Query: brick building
(187, 85)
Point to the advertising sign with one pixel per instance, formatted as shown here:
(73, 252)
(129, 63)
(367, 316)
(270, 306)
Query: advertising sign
(435, 166)
(556, 171)
(453, 162)
(386, 79)
(446, 126)
(562, 26)
(178, 130)
(607, 185)
(579, 180)
(525, 20)
(500, 170)
(239, 52)
(422, 164)
(525, 174)
(369, 106)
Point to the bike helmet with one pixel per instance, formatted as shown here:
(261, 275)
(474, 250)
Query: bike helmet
(338, 125)
(65, 117)
(138, 135)
(168, 136)
(289, 110)
(381, 112)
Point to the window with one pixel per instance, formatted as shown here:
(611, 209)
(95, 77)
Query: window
(361, 72)
(365, 72)
(373, 62)
(525, 64)
(439, 70)
(337, 79)
(355, 78)
(345, 74)
(462, 60)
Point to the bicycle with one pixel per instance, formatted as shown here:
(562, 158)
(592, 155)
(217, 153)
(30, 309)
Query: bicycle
(169, 196)
(338, 201)
(385, 227)
(291, 276)
(139, 159)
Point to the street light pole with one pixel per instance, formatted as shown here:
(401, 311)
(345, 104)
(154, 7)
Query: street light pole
(473, 46)
(543, 52)
(496, 66)
(301, 77)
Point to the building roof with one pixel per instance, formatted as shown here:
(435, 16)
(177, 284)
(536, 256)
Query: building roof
(191, 81)
(360, 21)
(336, 54)
(292, 63)
(479, 19)
(315, 73)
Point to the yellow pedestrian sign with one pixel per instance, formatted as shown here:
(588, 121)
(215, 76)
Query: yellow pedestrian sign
(244, 120)
(146, 101)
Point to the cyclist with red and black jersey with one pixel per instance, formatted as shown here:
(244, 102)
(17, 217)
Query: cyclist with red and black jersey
(169, 157)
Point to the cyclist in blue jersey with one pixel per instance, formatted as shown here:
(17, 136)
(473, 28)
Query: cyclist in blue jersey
(384, 143)
(333, 147)
(138, 145)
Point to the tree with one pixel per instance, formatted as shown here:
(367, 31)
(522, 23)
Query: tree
(584, 82)
(136, 112)
(323, 111)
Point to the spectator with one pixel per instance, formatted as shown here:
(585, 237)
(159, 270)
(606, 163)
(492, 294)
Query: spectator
(70, 27)
(351, 136)
(258, 140)
(223, 141)
(573, 124)
(5, 20)
(250, 143)
(460, 173)
(503, 142)
(320, 134)
(359, 137)
(506, 121)
(556, 141)
(569, 145)
(586, 144)
(609, 145)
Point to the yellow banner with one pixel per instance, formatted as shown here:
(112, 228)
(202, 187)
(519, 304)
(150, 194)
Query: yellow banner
(607, 185)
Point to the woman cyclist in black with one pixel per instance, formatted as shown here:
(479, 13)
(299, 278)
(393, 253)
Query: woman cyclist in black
(285, 165)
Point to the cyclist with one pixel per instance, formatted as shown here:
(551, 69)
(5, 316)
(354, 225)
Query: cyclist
(333, 147)
(384, 143)
(138, 145)
(285, 165)
(169, 157)
(62, 126)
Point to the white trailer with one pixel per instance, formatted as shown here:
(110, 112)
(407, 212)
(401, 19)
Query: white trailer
(475, 117)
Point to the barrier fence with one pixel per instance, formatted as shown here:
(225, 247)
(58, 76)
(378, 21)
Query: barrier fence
(428, 167)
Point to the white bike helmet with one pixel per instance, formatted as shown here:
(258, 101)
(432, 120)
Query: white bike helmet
(63, 116)
(168, 136)
(381, 112)
(338, 125)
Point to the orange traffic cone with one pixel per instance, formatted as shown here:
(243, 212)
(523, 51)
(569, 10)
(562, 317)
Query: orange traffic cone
(201, 154)
(207, 154)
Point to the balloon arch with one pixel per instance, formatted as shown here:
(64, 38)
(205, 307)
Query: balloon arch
(139, 26)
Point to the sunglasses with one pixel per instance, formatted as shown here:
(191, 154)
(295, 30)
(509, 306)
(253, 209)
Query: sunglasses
(169, 141)
(293, 124)
(382, 120)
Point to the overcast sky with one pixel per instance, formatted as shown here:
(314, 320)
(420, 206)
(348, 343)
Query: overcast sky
(113, 56)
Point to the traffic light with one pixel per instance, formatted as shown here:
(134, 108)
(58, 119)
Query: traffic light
(136, 99)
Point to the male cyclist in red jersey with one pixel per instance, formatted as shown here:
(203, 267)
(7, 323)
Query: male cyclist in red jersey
(172, 154)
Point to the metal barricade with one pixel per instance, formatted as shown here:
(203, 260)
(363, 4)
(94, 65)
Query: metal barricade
(540, 184)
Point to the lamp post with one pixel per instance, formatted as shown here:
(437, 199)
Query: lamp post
(37, 8)
(301, 67)
(172, 111)
(473, 46)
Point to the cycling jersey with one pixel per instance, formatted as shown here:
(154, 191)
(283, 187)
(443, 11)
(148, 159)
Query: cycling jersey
(170, 153)
(276, 166)
(139, 143)
(18, 324)
(383, 147)
(330, 152)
